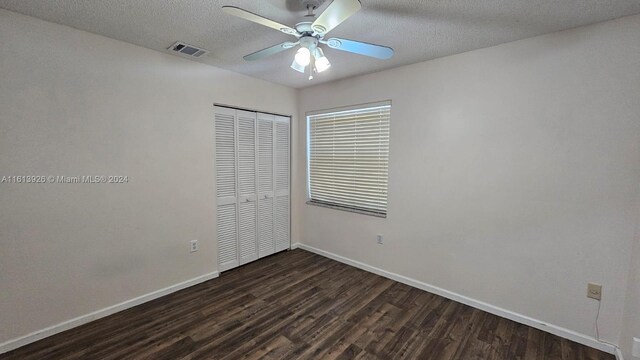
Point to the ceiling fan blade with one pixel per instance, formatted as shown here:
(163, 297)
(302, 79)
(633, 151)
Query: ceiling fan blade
(261, 54)
(236, 11)
(337, 12)
(362, 48)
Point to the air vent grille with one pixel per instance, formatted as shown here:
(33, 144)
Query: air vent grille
(187, 50)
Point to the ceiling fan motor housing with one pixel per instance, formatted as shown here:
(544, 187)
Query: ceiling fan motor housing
(309, 42)
(304, 28)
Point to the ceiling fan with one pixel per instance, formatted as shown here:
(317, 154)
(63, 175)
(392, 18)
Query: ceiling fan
(311, 34)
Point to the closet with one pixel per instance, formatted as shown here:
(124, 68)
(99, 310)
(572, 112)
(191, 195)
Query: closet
(252, 185)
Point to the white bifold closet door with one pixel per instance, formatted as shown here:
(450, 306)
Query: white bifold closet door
(247, 192)
(266, 243)
(227, 198)
(252, 176)
(281, 193)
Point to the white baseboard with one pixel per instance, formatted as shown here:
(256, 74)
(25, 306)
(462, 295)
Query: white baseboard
(295, 245)
(619, 354)
(83, 319)
(550, 328)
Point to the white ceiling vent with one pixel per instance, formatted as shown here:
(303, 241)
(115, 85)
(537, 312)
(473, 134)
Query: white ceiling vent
(187, 50)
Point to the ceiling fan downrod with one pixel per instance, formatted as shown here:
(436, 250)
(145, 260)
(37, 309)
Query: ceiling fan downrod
(311, 6)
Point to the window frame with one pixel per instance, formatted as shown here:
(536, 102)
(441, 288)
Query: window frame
(347, 208)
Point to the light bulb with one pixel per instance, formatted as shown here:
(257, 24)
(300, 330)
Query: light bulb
(303, 56)
(322, 63)
(297, 67)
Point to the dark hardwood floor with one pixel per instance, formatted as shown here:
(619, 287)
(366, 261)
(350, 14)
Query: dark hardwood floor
(298, 305)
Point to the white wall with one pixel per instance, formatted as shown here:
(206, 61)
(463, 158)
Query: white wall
(73, 103)
(631, 323)
(512, 174)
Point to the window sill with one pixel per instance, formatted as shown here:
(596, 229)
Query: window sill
(347, 209)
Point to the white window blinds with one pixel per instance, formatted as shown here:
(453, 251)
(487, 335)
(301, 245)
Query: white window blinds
(348, 158)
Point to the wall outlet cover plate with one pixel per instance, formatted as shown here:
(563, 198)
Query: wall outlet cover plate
(594, 291)
(635, 351)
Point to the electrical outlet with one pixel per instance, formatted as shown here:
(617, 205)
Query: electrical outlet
(380, 239)
(594, 291)
(194, 245)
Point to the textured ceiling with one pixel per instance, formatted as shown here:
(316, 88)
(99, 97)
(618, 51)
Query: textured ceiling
(418, 30)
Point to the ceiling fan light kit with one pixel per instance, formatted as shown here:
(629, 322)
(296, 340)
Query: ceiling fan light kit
(311, 34)
(297, 67)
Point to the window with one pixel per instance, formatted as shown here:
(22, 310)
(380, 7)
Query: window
(348, 158)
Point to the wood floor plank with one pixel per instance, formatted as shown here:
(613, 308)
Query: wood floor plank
(300, 305)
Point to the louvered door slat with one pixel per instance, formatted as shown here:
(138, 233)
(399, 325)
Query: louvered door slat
(282, 155)
(247, 231)
(281, 166)
(266, 242)
(247, 207)
(225, 154)
(227, 236)
(265, 227)
(281, 221)
(265, 153)
(225, 164)
(227, 231)
(246, 153)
